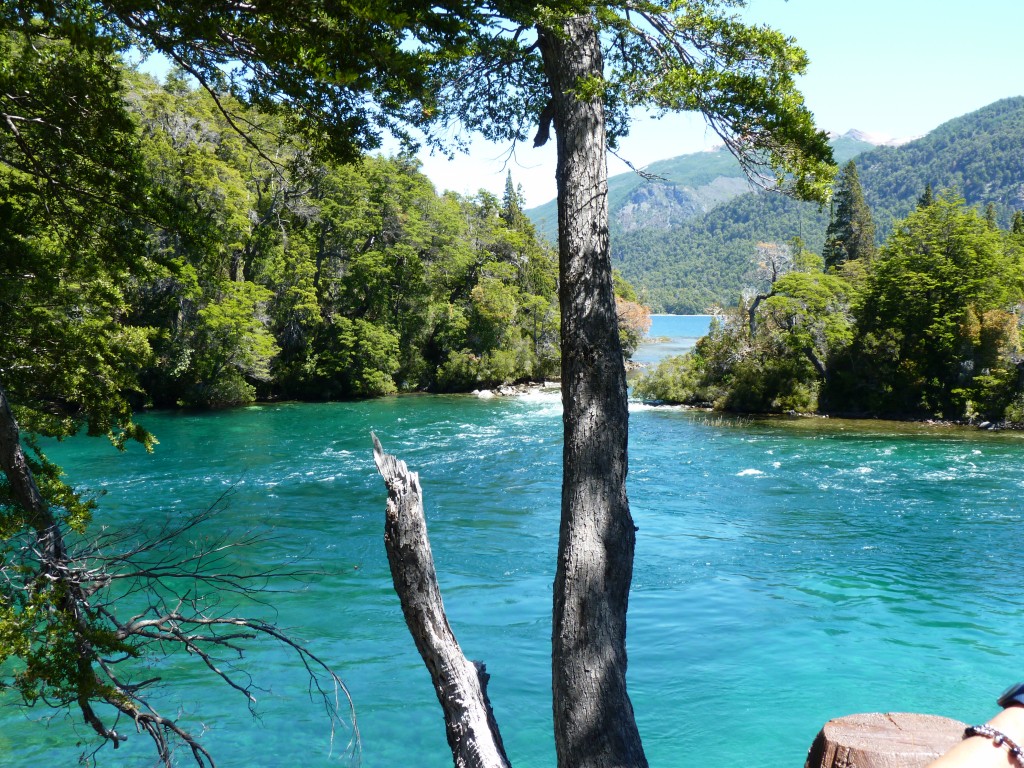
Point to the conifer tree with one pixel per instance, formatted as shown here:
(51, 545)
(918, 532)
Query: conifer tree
(991, 216)
(512, 203)
(927, 197)
(851, 232)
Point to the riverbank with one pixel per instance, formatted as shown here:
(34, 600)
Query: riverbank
(518, 390)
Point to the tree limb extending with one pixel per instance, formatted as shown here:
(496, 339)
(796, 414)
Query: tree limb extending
(50, 588)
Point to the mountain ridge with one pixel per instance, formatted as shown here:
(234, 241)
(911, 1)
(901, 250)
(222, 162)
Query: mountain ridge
(676, 189)
(687, 261)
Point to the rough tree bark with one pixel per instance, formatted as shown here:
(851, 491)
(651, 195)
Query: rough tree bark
(593, 716)
(460, 684)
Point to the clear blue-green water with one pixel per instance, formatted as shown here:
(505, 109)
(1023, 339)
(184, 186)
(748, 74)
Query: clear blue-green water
(787, 572)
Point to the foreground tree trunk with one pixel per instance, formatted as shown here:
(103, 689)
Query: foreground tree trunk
(593, 716)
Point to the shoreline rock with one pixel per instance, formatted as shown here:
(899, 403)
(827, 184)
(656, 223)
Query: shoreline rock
(516, 390)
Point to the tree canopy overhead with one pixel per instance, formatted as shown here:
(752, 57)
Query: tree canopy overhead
(665, 56)
(344, 72)
(349, 76)
(344, 75)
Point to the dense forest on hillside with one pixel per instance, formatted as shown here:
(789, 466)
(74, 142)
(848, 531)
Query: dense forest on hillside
(708, 261)
(264, 270)
(926, 327)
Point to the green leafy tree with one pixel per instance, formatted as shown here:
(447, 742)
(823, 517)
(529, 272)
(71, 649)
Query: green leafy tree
(512, 205)
(506, 327)
(232, 346)
(73, 194)
(781, 362)
(851, 231)
(991, 216)
(76, 210)
(920, 318)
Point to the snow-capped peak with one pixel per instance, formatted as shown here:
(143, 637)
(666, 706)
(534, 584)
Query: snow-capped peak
(876, 139)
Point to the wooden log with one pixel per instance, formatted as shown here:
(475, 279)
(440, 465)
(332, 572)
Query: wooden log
(883, 740)
(460, 684)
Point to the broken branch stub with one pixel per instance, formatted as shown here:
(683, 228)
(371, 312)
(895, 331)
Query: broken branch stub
(460, 684)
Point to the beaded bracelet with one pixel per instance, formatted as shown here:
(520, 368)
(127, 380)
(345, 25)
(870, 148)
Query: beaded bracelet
(999, 739)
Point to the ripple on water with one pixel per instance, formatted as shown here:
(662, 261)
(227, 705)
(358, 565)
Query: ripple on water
(835, 567)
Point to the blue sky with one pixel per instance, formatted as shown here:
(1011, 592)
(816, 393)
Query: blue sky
(898, 68)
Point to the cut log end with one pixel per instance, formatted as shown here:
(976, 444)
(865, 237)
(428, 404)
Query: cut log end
(883, 740)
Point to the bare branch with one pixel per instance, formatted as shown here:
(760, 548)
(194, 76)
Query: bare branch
(179, 585)
(646, 175)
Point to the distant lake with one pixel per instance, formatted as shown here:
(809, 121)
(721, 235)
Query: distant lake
(677, 334)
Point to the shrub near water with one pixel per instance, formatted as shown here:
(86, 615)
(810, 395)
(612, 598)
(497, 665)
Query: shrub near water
(714, 375)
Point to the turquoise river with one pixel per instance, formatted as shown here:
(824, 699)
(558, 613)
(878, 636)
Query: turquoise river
(787, 571)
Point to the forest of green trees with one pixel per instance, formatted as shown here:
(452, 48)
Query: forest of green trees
(261, 271)
(927, 326)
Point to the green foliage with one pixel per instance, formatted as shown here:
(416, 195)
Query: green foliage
(350, 358)
(72, 192)
(851, 231)
(676, 379)
(41, 638)
(780, 366)
(231, 346)
(323, 280)
(71, 508)
(705, 263)
(658, 54)
(927, 328)
(339, 77)
(622, 287)
(500, 323)
(929, 318)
